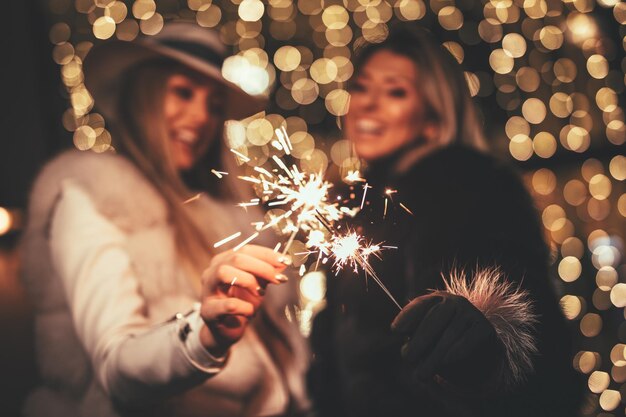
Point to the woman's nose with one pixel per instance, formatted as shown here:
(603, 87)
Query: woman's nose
(370, 99)
(198, 111)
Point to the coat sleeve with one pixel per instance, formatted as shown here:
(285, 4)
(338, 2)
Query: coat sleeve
(133, 360)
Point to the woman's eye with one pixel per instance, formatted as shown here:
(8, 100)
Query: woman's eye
(397, 92)
(183, 92)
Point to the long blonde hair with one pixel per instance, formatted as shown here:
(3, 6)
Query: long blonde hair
(141, 135)
(441, 83)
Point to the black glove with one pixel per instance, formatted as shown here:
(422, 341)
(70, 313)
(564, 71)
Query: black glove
(451, 338)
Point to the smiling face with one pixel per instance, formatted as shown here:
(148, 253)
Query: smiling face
(386, 110)
(192, 112)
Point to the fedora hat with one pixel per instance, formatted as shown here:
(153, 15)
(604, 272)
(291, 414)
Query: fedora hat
(195, 47)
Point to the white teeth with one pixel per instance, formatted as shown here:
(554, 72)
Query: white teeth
(369, 126)
(186, 136)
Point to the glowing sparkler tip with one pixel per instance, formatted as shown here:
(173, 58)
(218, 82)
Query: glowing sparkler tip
(354, 176)
(346, 247)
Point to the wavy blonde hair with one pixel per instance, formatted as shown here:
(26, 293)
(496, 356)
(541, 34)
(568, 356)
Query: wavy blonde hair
(141, 135)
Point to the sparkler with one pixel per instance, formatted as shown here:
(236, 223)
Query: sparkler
(304, 197)
(302, 194)
(352, 249)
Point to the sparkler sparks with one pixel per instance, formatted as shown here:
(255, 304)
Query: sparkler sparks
(227, 239)
(303, 194)
(191, 199)
(308, 209)
(218, 174)
(352, 250)
(354, 176)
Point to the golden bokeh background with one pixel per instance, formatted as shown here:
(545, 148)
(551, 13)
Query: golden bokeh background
(550, 75)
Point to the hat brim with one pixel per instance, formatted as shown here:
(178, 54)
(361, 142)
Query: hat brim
(105, 65)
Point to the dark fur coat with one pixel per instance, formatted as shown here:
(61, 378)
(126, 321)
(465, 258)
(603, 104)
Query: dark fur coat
(473, 224)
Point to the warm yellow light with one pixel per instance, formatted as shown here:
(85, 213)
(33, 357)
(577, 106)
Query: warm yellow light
(565, 70)
(323, 70)
(575, 192)
(561, 104)
(6, 220)
(410, 9)
(450, 18)
(551, 37)
(600, 187)
(287, 58)
(152, 25)
(521, 147)
(501, 62)
(553, 217)
(516, 125)
(618, 295)
(144, 9)
(598, 66)
(534, 110)
(251, 10)
(335, 17)
(260, 132)
(117, 10)
(514, 45)
(304, 91)
(544, 181)
(606, 278)
(209, 15)
(337, 102)
(571, 306)
(570, 269)
(598, 381)
(581, 27)
(617, 167)
(591, 325)
(104, 27)
(610, 399)
(313, 286)
(586, 362)
(544, 144)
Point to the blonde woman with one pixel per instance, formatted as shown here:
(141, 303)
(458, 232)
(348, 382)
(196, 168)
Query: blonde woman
(480, 332)
(136, 313)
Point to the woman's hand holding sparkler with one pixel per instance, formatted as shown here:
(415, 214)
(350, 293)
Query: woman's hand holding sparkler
(449, 337)
(233, 287)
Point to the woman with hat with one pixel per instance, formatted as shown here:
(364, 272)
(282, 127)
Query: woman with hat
(136, 312)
